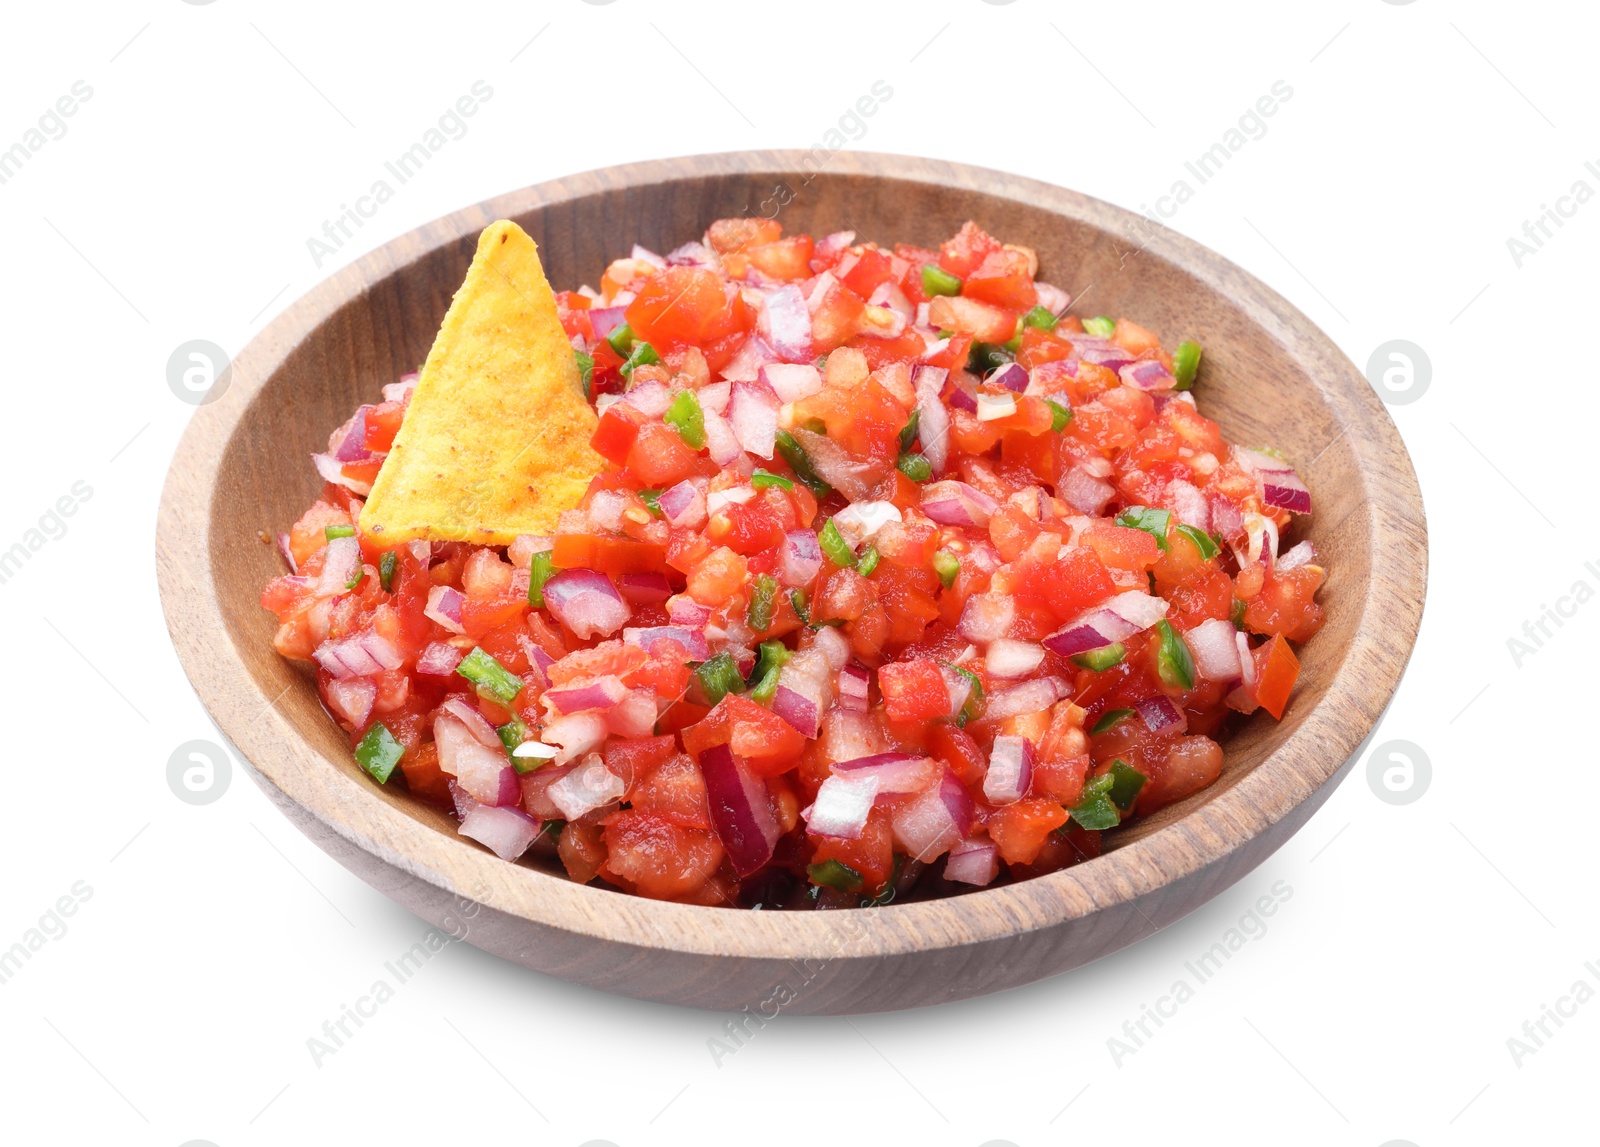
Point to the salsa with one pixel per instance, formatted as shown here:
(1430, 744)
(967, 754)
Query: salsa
(896, 581)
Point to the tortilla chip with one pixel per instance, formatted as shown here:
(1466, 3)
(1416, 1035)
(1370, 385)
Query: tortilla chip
(495, 442)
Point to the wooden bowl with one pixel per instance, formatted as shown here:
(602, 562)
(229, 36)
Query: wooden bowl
(1270, 376)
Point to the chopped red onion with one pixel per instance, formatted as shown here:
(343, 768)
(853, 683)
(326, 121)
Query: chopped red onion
(972, 862)
(588, 787)
(1052, 298)
(805, 687)
(830, 643)
(444, 607)
(1160, 715)
(753, 414)
(1147, 374)
(400, 390)
(484, 773)
(801, 560)
(1216, 655)
(963, 397)
(599, 693)
(473, 720)
(693, 255)
(686, 611)
(854, 682)
(287, 554)
(506, 832)
(958, 687)
(747, 362)
(586, 602)
(1297, 555)
(692, 640)
(649, 397)
(1285, 491)
(721, 441)
(683, 505)
(715, 395)
(933, 822)
(933, 420)
(1012, 375)
(645, 255)
(741, 810)
(604, 320)
(1138, 608)
(439, 659)
(635, 715)
(578, 734)
(1010, 770)
(842, 807)
(1029, 697)
(1085, 493)
(785, 324)
(340, 562)
(1008, 658)
(832, 244)
(953, 503)
(860, 522)
(986, 617)
(791, 381)
(1189, 504)
(353, 442)
(1109, 356)
(992, 407)
(1247, 660)
(896, 773)
(352, 699)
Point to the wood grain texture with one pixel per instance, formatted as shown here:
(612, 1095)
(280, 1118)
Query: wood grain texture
(1270, 376)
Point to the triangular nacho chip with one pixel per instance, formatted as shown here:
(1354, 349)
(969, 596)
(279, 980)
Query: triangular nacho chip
(495, 442)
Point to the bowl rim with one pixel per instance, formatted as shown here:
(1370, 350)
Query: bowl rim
(1361, 684)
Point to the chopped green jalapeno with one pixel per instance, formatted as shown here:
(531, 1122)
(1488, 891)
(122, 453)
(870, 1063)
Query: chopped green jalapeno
(718, 677)
(834, 874)
(1099, 660)
(797, 602)
(586, 372)
(1204, 542)
(642, 354)
(868, 561)
(947, 566)
(1236, 613)
(1185, 363)
(761, 479)
(763, 599)
(1041, 317)
(378, 752)
(973, 708)
(540, 570)
(621, 339)
(1108, 719)
(332, 532)
(684, 416)
(771, 656)
(986, 357)
(512, 734)
(937, 281)
(652, 501)
(1126, 781)
(1094, 809)
(838, 550)
(800, 462)
(386, 567)
(1100, 327)
(492, 679)
(908, 432)
(915, 467)
(1059, 415)
(1014, 343)
(1174, 662)
(1152, 521)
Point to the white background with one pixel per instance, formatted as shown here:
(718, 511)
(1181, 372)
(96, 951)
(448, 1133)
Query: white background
(216, 941)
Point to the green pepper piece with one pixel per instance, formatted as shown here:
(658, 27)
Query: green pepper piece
(833, 545)
(685, 416)
(1152, 521)
(378, 752)
(1108, 719)
(1185, 364)
(915, 467)
(1059, 415)
(908, 432)
(1126, 781)
(761, 479)
(540, 570)
(763, 599)
(642, 354)
(386, 567)
(621, 339)
(800, 462)
(586, 372)
(947, 566)
(491, 678)
(1100, 326)
(1099, 660)
(1204, 542)
(937, 281)
(1041, 317)
(332, 532)
(719, 676)
(834, 874)
(1174, 663)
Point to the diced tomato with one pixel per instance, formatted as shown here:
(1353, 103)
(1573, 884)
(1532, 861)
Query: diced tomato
(871, 270)
(1019, 830)
(836, 318)
(984, 322)
(1003, 279)
(1122, 547)
(680, 305)
(657, 858)
(872, 856)
(608, 555)
(914, 690)
(962, 254)
(616, 432)
(1285, 606)
(784, 259)
(727, 235)
(1276, 670)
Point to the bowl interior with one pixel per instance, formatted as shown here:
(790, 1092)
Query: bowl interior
(1250, 382)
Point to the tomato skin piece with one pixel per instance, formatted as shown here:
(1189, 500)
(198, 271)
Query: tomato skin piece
(957, 748)
(914, 690)
(1276, 670)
